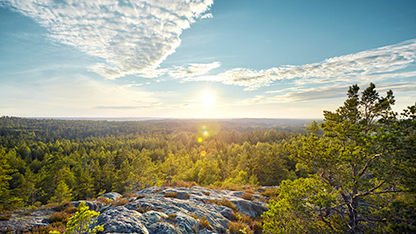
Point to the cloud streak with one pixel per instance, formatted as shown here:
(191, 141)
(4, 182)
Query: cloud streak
(370, 65)
(130, 36)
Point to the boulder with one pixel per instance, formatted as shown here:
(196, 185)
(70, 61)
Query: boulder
(121, 220)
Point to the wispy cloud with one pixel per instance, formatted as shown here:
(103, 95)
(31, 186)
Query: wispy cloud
(322, 93)
(131, 36)
(370, 65)
(193, 70)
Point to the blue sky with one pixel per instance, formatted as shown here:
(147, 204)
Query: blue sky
(201, 58)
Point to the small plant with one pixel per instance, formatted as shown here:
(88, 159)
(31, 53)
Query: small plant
(104, 200)
(247, 196)
(5, 217)
(207, 193)
(225, 202)
(205, 223)
(172, 217)
(173, 195)
(187, 196)
(239, 228)
(129, 194)
(140, 196)
(82, 222)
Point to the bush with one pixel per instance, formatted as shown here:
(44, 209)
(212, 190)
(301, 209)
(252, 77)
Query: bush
(238, 228)
(59, 217)
(5, 217)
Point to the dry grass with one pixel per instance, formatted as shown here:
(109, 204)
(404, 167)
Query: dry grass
(224, 202)
(104, 200)
(5, 217)
(158, 190)
(205, 223)
(238, 228)
(59, 217)
(140, 196)
(172, 195)
(247, 196)
(119, 202)
(47, 229)
(172, 217)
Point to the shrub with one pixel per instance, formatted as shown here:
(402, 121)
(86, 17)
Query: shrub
(238, 228)
(47, 229)
(5, 217)
(83, 221)
(271, 192)
(62, 206)
(59, 217)
(247, 196)
(207, 193)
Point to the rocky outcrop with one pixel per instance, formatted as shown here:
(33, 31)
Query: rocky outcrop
(164, 210)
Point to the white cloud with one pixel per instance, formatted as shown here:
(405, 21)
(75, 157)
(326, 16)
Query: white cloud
(371, 65)
(193, 70)
(131, 36)
(323, 93)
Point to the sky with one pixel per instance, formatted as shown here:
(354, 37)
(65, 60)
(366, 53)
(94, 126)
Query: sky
(201, 58)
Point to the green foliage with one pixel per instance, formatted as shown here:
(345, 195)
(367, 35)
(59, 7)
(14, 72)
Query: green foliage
(46, 160)
(62, 193)
(364, 159)
(83, 221)
(301, 207)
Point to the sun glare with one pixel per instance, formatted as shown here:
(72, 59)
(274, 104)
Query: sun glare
(207, 99)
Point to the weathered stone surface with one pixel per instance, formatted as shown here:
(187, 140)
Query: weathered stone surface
(91, 205)
(121, 220)
(112, 196)
(155, 213)
(163, 228)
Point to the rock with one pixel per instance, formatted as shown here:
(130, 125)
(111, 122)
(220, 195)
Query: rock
(91, 205)
(121, 220)
(250, 208)
(163, 228)
(112, 196)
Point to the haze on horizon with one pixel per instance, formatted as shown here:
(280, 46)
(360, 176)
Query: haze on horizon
(201, 58)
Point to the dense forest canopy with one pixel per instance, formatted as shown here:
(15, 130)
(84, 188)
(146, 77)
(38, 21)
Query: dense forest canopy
(354, 172)
(83, 158)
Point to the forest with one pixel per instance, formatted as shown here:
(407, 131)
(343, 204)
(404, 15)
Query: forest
(354, 172)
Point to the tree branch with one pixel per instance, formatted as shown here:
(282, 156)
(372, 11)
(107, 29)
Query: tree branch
(370, 191)
(366, 165)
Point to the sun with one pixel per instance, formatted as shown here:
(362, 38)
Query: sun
(207, 99)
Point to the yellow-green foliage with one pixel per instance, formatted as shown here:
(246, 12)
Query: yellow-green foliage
(82, 221)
